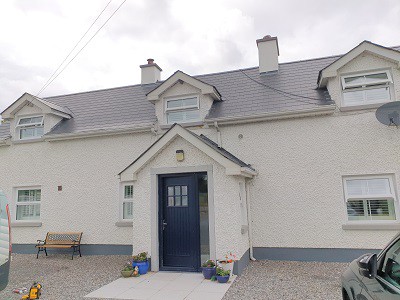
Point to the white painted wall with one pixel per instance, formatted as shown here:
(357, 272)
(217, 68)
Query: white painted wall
(87, 170)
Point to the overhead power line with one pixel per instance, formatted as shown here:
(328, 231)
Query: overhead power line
(80, 50)
(287, 94)
(72, 50)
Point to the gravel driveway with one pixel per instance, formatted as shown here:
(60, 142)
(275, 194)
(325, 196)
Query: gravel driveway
(272, 280)
(63, 278)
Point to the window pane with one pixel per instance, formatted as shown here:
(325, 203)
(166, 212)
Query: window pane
(28, 211)
(128, 192)
(170, 191)
(377, 95)
(355, 210)
(391, 265)
(178, 201)
(184, 190)
(181, 103)
(29, 195)
(204, 223)
(33, 120)
(183, 116)
(177, 190)
(381, 209)
(376, 77)
(170, 201)
(30, 132)
(354, 80)
(127, 210)
(365, 187)
(353, 98)
(184, 201)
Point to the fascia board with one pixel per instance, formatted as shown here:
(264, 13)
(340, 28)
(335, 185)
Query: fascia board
(323, 110)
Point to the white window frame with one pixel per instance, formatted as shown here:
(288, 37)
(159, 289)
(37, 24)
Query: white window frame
(16, 203)
(125, 200)
(19, 126)
(185, 108)
(378, 82)
(348, 87)
(392, 195)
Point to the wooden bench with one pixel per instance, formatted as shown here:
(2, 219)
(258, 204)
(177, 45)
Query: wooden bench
(61, 240)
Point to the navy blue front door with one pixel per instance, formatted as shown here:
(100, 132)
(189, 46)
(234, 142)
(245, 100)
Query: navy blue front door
(179, 223)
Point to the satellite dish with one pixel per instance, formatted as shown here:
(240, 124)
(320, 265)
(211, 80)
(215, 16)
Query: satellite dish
(389, 114)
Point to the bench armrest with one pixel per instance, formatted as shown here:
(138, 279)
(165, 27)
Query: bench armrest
(40, 242)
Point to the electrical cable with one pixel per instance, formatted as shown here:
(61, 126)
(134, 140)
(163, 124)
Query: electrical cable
(43, 87)
(85, 44)
(288, 94)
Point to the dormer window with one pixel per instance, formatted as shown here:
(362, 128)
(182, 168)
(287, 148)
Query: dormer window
(182, 110)
(30, 127)
(367, 88)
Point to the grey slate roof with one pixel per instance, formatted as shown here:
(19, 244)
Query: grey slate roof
(245, 93)
(222, 151)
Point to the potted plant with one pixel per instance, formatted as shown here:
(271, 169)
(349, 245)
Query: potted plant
(223, 275)
(208, 269)
(228, 262)
(142, 262)
(127, 271)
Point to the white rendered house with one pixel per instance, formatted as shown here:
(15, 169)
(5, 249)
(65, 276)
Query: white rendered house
(279, 161)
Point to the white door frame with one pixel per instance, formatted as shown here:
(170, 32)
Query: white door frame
(154, 172)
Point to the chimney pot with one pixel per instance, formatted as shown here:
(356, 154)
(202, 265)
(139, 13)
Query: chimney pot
(268, 52)
(150, 61)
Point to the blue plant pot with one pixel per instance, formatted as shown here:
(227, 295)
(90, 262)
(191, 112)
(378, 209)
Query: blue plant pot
(208, 272)
(142, 265)
(223, 279)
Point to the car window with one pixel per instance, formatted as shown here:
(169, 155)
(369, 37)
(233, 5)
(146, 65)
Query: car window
(390, 267)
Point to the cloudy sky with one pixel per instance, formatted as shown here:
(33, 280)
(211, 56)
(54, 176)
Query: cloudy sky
(193, 36)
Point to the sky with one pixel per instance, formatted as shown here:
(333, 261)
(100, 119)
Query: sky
(196, 37)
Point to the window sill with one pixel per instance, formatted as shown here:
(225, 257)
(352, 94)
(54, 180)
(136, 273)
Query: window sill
(371, 226)
(124, 223)
(188, 124)
(362, 107)
(26, 224)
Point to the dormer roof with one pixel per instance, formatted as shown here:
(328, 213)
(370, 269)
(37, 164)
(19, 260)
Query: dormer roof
(366, 46)
(45, 106)
(179, 76)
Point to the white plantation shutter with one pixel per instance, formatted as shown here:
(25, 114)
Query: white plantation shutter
(370, 199)
(127, 202)
(28, 204)
(367, 96)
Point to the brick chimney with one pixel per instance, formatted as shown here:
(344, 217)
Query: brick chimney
(268, 53)
(151, 72)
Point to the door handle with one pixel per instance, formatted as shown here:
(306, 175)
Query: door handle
(164, 224)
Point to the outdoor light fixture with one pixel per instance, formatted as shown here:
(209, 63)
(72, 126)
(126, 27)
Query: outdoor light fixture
(180, 156)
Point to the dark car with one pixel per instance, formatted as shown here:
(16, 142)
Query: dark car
(375, 277)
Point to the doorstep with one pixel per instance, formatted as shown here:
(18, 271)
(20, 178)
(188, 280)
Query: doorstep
(165, 286)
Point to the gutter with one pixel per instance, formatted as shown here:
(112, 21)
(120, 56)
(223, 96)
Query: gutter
(323, 110)
(98, 132)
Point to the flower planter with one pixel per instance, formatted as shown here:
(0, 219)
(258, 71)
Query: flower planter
(227, 266)
(208, 272)
(142, 265)
(223, 279)
(126, 273)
